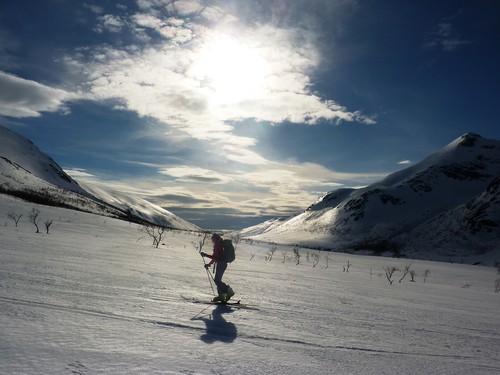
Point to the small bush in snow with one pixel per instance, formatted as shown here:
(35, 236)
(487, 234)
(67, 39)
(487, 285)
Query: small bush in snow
(155, 233)
(406, 271)
(35, 212)
(270, 253)
(346, 268)
(412, 275)
(15, 217)
(389, 272)
(315, 259)
(296, 255)
(48, 223)
(426, 273)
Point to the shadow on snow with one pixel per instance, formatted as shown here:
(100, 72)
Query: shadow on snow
(218, 328)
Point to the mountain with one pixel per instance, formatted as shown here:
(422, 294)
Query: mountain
(261, 228)
(446, 205)
(28, 173)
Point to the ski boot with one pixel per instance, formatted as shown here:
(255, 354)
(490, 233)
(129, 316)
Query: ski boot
(220, 298)
(229, 294)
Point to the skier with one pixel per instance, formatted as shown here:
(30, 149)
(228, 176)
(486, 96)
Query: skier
(217, 257)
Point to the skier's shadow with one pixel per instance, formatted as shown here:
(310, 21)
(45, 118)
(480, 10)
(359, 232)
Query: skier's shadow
(218, 328)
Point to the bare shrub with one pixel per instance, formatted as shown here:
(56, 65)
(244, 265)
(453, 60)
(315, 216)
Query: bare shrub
(48, 223)
(35, 212)
(199, 246)
(412, 275)
(296, 255)
(270, 253)
(16, 217)
(389, 272)
(426, 274)
(315, 259)
(153, 232)
(406, 271)
(346, 268)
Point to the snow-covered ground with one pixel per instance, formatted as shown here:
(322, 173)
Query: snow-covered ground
(94, 297)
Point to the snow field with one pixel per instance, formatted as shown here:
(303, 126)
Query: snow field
(94, 297)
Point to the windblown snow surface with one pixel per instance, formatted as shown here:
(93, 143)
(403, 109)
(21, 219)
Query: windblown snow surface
(94, 297)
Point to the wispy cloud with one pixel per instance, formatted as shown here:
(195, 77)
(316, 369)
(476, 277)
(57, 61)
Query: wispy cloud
(79, 173)
(111, 23)
(267, 189)
(445, 37)
(25, 98)
(250, 71)
(194, 175)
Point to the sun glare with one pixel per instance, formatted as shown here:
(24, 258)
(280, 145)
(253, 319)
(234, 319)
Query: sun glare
(232, 70)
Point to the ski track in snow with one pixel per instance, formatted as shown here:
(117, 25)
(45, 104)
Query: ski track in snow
(93, 297)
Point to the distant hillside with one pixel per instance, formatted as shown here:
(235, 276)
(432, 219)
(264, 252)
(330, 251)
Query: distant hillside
(448, 205)
(28, 173)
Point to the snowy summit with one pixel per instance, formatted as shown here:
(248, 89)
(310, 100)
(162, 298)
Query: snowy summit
(446, 206)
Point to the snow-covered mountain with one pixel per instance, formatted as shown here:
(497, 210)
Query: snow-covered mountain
(448, 204)
(28, 173)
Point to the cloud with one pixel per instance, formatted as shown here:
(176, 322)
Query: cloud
(270, 188)
(194, 174)
(445, 37)
(79, 173)
(25, 98)
(110, 23)
(242, 155)
(257, 71)
(404, 162)
(185, 8)
(94, 8)
(199, 72)
(260, 189)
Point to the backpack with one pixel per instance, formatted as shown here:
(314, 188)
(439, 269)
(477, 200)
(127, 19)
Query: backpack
(229, 254)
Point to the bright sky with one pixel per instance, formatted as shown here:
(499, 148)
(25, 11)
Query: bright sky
(228, 113)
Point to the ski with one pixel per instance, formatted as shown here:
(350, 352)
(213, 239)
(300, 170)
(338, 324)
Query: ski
(196, 300)
(235, 303)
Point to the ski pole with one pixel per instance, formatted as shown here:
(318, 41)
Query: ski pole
(210, 281)
(202, 242)
(210, 277)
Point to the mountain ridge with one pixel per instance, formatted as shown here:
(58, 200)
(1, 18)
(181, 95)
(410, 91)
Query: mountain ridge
(28, 173)
(460, 178)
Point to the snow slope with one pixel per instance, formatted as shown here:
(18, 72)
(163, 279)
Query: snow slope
(22, 164)
(27, 172)
(140, 208)
(94, 297)
(415, 200)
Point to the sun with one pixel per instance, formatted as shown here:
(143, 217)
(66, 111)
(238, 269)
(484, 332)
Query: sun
(232, 70)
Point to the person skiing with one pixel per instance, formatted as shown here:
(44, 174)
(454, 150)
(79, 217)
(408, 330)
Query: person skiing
(217, 257)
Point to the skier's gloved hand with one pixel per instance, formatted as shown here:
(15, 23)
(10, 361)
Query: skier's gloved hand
(203, 254)
(206, 266)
